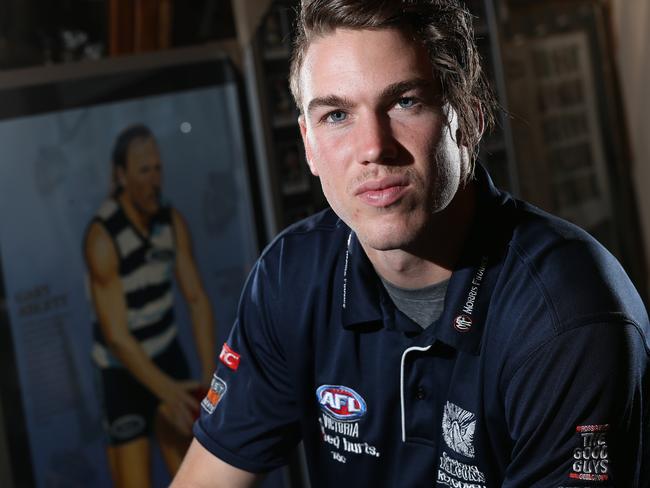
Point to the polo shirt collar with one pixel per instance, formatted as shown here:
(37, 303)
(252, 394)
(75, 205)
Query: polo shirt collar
(361, 292)
(461, 325)
(472, 283)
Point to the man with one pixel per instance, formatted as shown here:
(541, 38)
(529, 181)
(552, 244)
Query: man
(535, 371)
(133, 248)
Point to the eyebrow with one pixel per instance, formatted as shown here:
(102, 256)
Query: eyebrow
(391, 91)
(397, 89)
(329, 101)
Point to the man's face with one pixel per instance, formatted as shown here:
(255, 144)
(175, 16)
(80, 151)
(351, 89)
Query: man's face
(142, 177)
(376, 134)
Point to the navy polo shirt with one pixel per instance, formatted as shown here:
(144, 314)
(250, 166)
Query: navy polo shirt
(536, 374)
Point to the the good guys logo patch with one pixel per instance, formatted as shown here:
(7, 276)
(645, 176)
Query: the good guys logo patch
(590, 458)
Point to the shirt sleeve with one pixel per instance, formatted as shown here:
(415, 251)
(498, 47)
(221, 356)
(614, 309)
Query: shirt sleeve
(577, 410)
(249, 418)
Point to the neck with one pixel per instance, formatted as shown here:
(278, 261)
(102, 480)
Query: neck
(432, 256)
(140, 220)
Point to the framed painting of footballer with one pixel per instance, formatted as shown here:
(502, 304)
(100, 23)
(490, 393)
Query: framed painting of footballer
(127, 228)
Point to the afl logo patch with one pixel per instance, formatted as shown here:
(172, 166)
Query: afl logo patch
(341, 402)
(463, 323)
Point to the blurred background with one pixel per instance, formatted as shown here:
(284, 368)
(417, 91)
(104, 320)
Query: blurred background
(572, 138)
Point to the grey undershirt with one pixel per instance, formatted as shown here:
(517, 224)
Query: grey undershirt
(422, 305)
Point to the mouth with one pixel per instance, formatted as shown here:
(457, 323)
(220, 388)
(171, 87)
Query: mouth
(382, 192)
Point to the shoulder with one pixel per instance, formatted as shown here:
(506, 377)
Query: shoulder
(169, 214)
(107, 209)
(307, 244)
(560, 290)
(558, 277)
(99, 230)
(289, 278)
(298, 261)
(99, 251)
(577, 273)
(110, 216)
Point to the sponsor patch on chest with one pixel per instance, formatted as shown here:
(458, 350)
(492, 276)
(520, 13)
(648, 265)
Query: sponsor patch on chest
(341, 409)
(341, 402)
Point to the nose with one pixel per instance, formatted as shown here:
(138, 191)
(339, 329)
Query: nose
(375, 140)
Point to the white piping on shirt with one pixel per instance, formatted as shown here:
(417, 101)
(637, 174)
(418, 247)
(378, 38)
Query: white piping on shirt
(345, 270)
(401, 384)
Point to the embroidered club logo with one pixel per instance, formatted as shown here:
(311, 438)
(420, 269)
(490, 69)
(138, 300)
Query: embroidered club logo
(463, 323)
(341, 402)
(229, 357)
(216, 392)
(458, 427)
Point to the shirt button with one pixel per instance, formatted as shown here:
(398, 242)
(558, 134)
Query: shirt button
(420, 394)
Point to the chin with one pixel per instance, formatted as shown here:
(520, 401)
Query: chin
(388, 243)
(386, 237)
(150, 210)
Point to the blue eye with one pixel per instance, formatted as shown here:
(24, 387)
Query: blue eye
(337, 116)
(406, 102)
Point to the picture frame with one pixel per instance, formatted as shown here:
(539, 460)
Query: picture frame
(276, 32)
(293, 172)
(58, 127)
(568, 123)
(283, 111)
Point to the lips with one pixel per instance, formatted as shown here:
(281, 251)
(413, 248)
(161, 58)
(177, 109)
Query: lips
(382, 192)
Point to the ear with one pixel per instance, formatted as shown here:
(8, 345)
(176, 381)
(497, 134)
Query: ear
(305, 141)
(481, 120)
(480, 129)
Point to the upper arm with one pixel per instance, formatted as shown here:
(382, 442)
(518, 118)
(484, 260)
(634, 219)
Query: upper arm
(186, 270)
(201, 469)
(252, 418)
(575, 409)
(105, 285)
